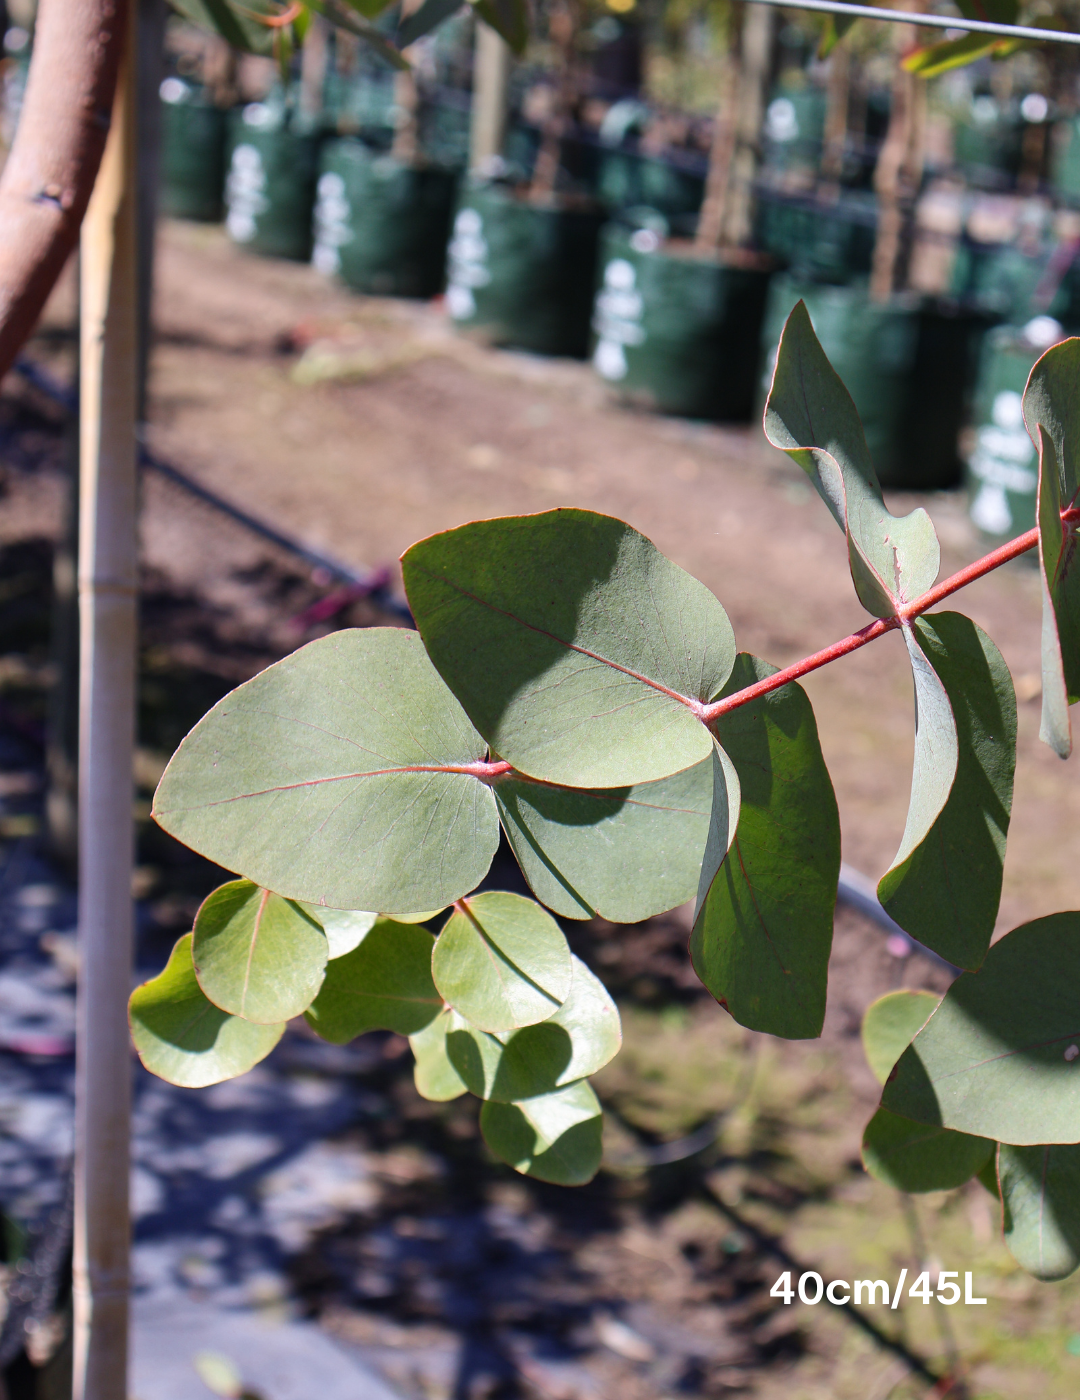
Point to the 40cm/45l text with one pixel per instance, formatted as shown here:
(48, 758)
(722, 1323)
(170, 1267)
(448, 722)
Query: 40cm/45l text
(812, 1288)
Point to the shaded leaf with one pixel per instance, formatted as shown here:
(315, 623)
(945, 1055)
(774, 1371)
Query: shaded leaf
(762, 937)
(582, 1036)
(510, 18)
(428, 16)
(435, 1077)
(240, 30)
(345, 929)
(944, 886)
(917, 1157)
(502, 961)
(181, 1036)
(996, 1059)
(811, 417)
(578, 650)
(383, 984)
(1052, 415)
(334, 777)
(1040, 1190)
(997, 11)
(555, 1137)
(344, 16)
(623, 853)
(889, 1026)
(257, 955)
(987, 1176)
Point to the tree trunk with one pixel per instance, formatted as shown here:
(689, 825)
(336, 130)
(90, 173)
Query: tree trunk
(107, 592)
(564, 23)
(898, 172)
(406, 144)
(491, 82)
(711, 219)
(756, 65)
(836, 122)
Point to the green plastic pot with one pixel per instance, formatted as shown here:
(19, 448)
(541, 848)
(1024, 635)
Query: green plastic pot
(826, 242)
(1002, 471)
(675, 332)
(270, 189)
(1065, 160)
(794, 129)
(908, 365)
(627, 179)
(381, 225)
(193, 136)
(523, 274)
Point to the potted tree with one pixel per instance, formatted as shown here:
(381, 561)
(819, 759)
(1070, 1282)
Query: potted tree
(522, 258)
(674, 318)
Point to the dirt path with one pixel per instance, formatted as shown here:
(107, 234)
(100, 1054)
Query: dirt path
(434, 432)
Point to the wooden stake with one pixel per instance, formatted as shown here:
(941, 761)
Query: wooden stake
(491, 80)
(107, 593)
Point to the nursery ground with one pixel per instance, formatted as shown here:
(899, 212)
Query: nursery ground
(361, 425)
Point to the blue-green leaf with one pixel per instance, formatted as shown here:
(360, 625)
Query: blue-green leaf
(383, 984)
(1040, 1190)
(555, 1137)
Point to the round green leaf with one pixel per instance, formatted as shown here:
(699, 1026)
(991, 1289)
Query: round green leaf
(916, 1157)
(502, 961)
(556, 1137)
(345, 929)
(578, 650)
(581, 1037)
(257, 955)
(763, 930)
(435, 1077)
(339, 776)
(383, 984)
(623, 853)
(1040, 1189)
(889, 1026)
(1000, 1057)
(183, 1037)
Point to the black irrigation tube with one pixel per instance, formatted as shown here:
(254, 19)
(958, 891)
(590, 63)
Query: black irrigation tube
(357, 585)
(954, 22)
(858, 892)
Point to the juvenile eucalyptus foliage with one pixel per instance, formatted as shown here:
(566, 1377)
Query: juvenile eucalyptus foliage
(570, 686)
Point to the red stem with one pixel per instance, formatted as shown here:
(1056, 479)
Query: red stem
(905, 614)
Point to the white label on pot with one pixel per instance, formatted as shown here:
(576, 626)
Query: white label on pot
(617, 319)
(467, 257)
(244, 193)
(331, 223)
(1000, 463)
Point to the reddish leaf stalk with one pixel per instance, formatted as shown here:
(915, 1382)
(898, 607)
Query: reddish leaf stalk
(905, 614)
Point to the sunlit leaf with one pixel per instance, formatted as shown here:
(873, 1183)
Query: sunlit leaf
(257, 955)
(1040, 1190)
(933, 59)
(383, 984)
(944, 886)
(335, 777)
(762, 937)
(1000, 1057)
(917, 1157)
(811, 417)
(555, 1137)
(623, 853)
(889, 1026)
(181, 1036)
(1052, 414)
(435, 1077)
(578, 650)
(345, 929)
(502, 961)
(582, 1036)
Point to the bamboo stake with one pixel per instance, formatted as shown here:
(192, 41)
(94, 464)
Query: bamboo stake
(107, 593)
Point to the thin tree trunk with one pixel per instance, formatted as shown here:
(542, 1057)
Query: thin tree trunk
(564, 23)
(755, 67)
(711, 219)
(313, 60)
(406, 144)
(896, 166)
(491, 82)
(836, 122)
(107, 591)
